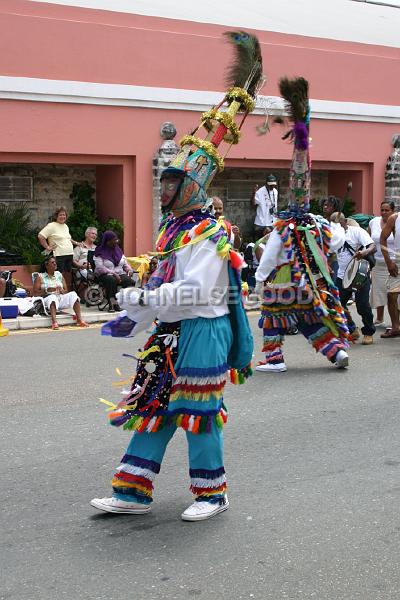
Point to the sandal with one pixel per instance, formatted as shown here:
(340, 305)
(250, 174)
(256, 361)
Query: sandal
(389, 333)
(104, 306)
(82, 324)
(55, 326)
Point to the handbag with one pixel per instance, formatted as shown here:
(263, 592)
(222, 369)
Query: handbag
(372, 260)
(241, 351)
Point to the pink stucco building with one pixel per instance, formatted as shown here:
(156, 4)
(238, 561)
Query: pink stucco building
(86, 84)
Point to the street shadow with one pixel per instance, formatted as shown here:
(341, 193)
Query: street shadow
(167, 525)
(130, 523)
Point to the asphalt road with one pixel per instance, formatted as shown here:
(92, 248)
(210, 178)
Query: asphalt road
(312, 457)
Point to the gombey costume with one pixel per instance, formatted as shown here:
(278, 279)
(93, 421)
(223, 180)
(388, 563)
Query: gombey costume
(200, 335)
(293, 273)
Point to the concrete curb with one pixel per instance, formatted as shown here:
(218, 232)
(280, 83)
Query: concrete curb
(37, 322)
(92, 315)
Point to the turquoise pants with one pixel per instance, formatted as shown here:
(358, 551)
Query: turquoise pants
(133, 480)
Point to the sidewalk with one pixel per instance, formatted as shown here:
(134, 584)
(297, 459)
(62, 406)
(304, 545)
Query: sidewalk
(66, 317)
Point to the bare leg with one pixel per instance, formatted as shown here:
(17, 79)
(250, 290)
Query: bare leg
(68, 279)
(380, 313)
(2, 287)
(77, 311)
(53, 313)
(393, 310)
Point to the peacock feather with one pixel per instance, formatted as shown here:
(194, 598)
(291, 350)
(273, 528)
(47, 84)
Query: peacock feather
(246, 70)
(295, 93)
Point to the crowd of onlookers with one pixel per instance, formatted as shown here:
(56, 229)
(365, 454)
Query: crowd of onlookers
(71, 266)
(83, 263)
(379, 246)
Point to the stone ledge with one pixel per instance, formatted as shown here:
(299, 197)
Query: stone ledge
(65, 318)
(89, 315)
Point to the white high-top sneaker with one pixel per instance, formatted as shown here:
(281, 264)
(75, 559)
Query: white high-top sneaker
(200, 511)
(341, 359)
(113, 505)
(272, 368)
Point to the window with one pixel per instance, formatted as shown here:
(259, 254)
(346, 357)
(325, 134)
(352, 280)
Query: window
(16, 189)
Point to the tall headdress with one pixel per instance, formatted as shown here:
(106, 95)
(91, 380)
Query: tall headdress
(295, 93)
(199, 159)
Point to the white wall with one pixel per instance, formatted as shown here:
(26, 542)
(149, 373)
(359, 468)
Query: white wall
(347, 20)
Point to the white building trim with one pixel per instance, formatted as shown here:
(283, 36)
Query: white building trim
(331, 19)
(110, 94)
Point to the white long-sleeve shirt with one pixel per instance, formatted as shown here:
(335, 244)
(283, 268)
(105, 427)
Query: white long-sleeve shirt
(274, 254)
(266, 201)
(198, 290)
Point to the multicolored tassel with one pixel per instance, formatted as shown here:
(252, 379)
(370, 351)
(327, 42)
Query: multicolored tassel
(239, 377)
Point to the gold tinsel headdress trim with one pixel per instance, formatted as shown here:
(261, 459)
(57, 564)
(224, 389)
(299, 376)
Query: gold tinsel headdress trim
(206, 146)
(233, 134)
(247, 103)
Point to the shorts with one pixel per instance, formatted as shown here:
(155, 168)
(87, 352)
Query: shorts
(393, 284)
(64, 263)
(61, 300)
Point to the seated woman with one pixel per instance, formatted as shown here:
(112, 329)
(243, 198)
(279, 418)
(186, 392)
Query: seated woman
(149, 272)
(80, 260)
(112, 268)
(50, 284)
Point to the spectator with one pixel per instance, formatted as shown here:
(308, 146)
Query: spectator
(330, 208)
(265, 200)
(259, 246)
(80, 260)
(233, 231)
(330, 205)
(152, 267)
(112, 268)
(358, 244)
(50, 284)
(391, 227)
(3, 286)
(380, 273)
(56, 238)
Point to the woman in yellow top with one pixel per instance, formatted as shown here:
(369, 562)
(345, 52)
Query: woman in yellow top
(56, 238)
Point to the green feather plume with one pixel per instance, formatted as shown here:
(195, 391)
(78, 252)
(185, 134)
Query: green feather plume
(295, 93)
(246, 70)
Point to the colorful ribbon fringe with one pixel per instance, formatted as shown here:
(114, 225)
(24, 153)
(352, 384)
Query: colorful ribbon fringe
(239, 377)
(192, 423)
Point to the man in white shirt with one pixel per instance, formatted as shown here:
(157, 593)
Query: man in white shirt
(265, 200)
(358, 244)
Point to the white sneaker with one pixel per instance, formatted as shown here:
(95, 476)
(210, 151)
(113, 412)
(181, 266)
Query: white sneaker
(379, 323)
(200, 511)
(341, 359)
(267, 367)
(113, 505)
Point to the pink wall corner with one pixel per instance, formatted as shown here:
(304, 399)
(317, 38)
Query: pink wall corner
(144, 203)
(129, 208)
(337, 183)
(109, 192)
